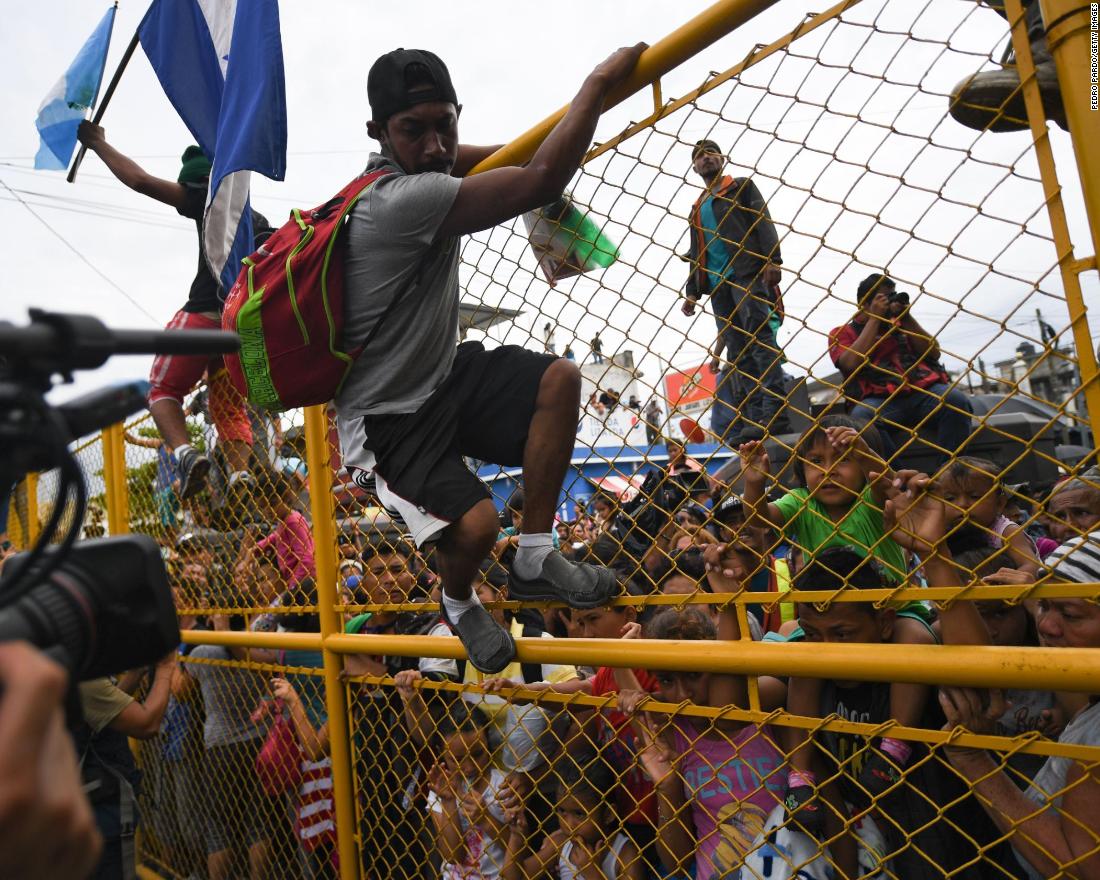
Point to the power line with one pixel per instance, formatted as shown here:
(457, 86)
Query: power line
(79, 255)
(101, 215)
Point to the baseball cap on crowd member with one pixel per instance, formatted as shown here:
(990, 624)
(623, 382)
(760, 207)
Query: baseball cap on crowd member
(196, 167)
(874, 283)
(705, 146)
(405, 77)
(1077, 560)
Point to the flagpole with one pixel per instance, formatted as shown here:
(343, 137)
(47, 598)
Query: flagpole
(106, 100)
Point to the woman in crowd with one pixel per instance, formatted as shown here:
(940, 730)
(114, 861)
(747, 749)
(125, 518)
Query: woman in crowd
(1053, 824)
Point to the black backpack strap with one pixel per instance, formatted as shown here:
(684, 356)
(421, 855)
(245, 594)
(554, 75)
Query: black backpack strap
(532, 672)
(413, 282)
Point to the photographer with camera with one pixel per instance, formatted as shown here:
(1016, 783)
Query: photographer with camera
(892, 371)
(111, 778)
(87, 610)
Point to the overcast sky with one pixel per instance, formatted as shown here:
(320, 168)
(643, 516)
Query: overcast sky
(861, 166)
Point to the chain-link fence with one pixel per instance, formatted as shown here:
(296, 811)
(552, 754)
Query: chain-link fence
(835, 437)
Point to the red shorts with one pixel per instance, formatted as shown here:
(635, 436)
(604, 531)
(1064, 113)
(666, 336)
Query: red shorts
(175, 375)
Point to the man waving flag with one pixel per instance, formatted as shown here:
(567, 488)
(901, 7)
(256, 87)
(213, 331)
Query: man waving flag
(221, 65)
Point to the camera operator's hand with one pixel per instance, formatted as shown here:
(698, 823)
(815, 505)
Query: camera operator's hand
(880, 307)
(46, 825)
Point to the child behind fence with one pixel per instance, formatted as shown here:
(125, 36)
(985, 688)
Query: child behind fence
(716, 782)
(846, 482)
(588, 844)
(464, 802)
(971, 488)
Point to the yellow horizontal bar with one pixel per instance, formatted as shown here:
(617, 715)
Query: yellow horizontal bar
(706, 28)
(286, 641)
(1067, 669)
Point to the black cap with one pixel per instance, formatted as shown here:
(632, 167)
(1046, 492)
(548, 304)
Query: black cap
(872, 284)
(404, 77)
(705, 146)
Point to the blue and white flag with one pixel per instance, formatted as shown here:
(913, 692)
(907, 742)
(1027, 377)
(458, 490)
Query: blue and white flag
(221, 65)
(71, 98)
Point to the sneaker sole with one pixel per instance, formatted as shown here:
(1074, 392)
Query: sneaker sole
(991, 100)
(488, 669)
(532, 593)
(196, 479)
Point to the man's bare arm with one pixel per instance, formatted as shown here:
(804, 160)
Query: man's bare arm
(128, 171)
(485, 200)
(470, 156)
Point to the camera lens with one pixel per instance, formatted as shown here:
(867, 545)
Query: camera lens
(108, 606)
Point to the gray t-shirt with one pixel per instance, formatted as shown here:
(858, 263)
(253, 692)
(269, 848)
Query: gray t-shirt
(1050, 781)
(229, 697)
(390, 239)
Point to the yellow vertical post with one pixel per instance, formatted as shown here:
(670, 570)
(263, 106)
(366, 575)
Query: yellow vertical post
(114, 478)
(23, 512)
(324, 550)
(30, 487)
(1069, 27)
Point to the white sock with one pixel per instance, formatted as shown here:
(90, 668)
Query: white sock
(457, 607)
(533, 549)
(182, 449)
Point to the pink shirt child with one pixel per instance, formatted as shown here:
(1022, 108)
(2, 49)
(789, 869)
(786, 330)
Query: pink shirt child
(732, 785)
(293, 543)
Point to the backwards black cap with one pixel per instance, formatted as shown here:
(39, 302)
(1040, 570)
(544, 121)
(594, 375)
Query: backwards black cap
(404, 77)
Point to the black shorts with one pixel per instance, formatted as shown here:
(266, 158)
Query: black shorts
(482, 410)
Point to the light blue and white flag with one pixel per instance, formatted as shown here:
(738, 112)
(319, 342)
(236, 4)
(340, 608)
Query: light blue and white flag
(221, 65)
(71, 98)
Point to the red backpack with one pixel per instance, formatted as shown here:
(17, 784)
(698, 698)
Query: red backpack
(287, 306)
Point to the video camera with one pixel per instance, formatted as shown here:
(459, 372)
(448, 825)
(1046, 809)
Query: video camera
(103, 606)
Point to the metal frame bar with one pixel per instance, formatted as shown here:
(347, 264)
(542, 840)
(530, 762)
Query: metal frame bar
(324, 548)
(1068, 22)
(667, 54)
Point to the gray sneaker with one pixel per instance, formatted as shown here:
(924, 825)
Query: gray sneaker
(489, 646)
(194, 466)
(993, 100)
(578, 584)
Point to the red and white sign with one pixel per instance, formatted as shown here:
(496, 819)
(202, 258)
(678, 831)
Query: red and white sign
(622, 487)
(693, 385)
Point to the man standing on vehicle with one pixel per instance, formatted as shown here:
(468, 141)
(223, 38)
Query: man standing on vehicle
(734, 256)
(892, 371)
(415, 403)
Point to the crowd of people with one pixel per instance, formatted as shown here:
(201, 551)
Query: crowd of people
(496, 766)
(501, 779)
